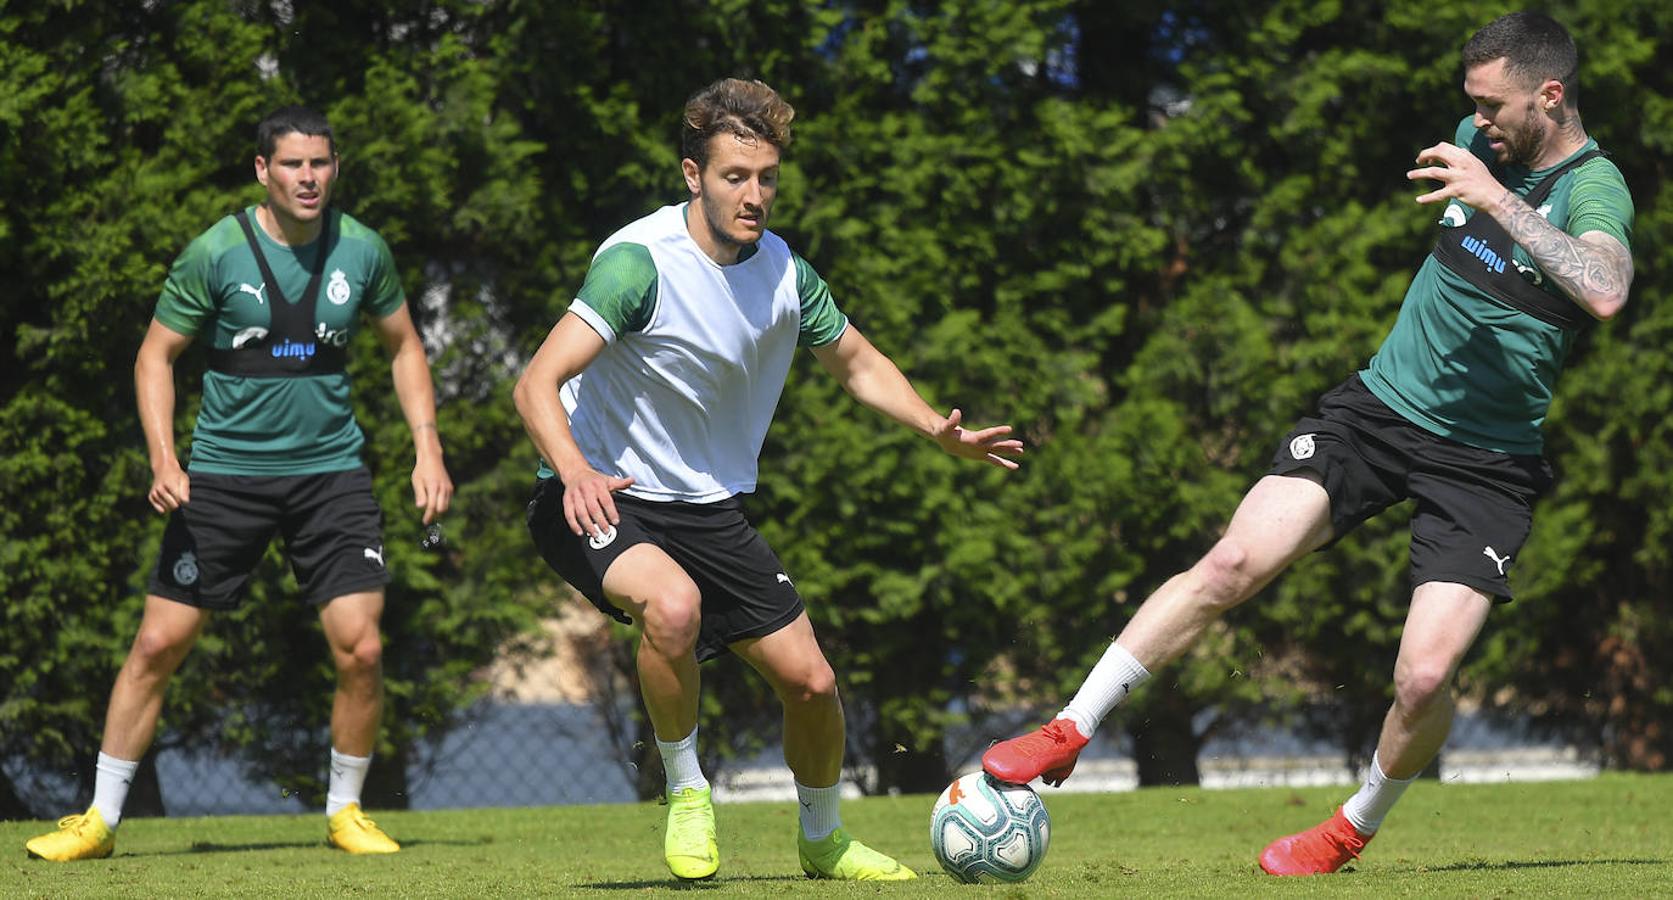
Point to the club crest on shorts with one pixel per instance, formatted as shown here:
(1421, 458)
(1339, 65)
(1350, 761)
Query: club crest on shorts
(602, 539)
(1302, 447)
(186, 569)
(337, 290)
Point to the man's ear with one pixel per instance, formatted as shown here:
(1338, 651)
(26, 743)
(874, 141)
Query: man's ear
(1552, 94)
(693, 176)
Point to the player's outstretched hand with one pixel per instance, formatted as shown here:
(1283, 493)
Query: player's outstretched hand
(588, 506)
(171, 488)
(432, 489)
(987, 444)
(1462, 176)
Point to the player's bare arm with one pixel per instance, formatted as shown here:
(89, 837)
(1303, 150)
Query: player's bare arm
(1593, 269)
(874, 380)
(571, 346)
(432, 489)
(154, 391)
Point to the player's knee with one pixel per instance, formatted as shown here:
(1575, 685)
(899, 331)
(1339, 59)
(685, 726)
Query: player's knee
(365, 655)
(673, 618)
(816, 684)
(1419, 683)
(160, 649)
(1224, 574)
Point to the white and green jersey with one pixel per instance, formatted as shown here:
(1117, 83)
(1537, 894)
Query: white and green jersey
(276, 426)
(695, 359)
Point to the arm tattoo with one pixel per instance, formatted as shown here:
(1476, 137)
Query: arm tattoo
(1584, 270)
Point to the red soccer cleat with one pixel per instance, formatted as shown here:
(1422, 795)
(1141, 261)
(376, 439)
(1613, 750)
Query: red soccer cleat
(1049, 754)
(1319, 850)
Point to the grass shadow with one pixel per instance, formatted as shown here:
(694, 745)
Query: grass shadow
(257, 846)
(1512, 865)
(669, 884)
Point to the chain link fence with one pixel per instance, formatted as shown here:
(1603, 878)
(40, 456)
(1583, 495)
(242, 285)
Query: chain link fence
(559, 728)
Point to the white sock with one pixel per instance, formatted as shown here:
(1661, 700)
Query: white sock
(820, 814)
(1112, 679)
(679, 763)
(348, 775)
(1366, 809)
(111, 780)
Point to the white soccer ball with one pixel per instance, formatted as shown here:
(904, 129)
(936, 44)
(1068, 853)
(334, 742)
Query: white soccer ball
(988, 830)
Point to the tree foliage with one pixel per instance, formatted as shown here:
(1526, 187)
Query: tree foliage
(1149, 234)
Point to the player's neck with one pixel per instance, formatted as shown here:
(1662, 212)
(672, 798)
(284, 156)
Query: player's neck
(287, 230)
(1566, 139)
(724, 252)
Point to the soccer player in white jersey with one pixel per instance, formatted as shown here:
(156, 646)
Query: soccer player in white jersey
(649, 402)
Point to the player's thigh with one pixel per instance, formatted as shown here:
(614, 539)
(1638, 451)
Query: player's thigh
(351, 620)
(1474, 512)
(333, 532)
(746, 590)
(1281, 519)
(168, 626)
(1444, 620)
(584, 560)
(790, 659)
(211, 544)
(643, 576)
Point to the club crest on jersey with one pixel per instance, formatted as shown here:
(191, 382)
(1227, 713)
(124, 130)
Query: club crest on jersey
(1302, 447)
(186, 569)
(337, 290)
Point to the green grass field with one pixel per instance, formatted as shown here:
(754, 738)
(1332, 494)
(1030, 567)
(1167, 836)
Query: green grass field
(1606, 837)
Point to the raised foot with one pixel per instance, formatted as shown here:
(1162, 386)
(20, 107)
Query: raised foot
(1048, 753)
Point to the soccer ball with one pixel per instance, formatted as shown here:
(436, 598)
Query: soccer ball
(988, 830)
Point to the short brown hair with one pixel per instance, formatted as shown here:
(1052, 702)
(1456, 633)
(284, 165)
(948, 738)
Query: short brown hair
(749, 109)
(1534, 46)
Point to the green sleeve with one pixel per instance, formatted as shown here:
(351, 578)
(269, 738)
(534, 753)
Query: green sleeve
(387, 295)
(822, 322)
(188, 302)
(620, 289)
(1600, 201)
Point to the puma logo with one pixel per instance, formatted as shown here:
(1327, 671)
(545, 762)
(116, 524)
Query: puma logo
(1488, 552)
(253, 291)
(785, 579)
(375, 555)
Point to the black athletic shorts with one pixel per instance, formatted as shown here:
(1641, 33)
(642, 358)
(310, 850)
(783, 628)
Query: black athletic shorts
(332, 528)
(1474, 506)
(745, 591)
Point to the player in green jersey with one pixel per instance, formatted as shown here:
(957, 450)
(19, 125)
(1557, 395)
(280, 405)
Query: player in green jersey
(1533, 247)
(275, 291)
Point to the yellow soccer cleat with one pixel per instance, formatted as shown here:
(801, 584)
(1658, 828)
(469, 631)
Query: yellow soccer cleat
(840, 857)
(689, 843)
(352, 830)
(78, 837)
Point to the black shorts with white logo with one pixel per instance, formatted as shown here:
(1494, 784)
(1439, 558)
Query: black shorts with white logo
(331, 525)
(746, 593)
(1474, 506)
